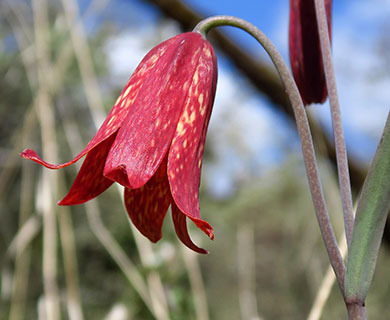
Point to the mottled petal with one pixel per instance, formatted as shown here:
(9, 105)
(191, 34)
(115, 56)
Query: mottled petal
(90, 181)
(179, 220)
(147, 132)
(148, 205)
(117, 114)
(305, 51)
(186, 151)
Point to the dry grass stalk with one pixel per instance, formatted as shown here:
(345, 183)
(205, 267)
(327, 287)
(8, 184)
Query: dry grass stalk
(97, 110)
(197, 286)
(247, 273)
(29, 226)
(49, 150)
(70, 262)
(325, 287)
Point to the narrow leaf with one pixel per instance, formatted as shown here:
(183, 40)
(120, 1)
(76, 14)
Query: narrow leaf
(371, 213)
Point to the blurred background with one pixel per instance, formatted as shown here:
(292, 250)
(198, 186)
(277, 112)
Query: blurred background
(62, 66)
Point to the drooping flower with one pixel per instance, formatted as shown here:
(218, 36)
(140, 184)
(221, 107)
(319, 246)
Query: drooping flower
(152, 140)
(305, 51)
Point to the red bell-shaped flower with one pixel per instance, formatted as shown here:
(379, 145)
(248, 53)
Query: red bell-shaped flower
(152, 140)
(305, 51)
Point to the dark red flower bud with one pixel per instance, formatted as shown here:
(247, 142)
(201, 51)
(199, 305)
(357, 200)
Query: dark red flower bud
(152, 141)
(305, 51)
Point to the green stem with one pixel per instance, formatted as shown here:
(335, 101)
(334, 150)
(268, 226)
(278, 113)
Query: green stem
(303, 130)
(341, 151)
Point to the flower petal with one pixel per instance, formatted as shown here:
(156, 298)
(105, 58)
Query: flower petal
(148, 205)
(305, 51)
(117, 114)
(186, 151)
(147, 132)
(179, 221)
(90, 181)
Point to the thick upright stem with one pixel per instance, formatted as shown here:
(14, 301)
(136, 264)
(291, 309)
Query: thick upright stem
(303, 131)
(341, 151)
(356, 311)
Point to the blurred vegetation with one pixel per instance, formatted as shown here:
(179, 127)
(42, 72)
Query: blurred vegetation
(267, 247)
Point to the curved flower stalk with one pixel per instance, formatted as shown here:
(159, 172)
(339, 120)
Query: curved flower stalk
(152, 140)
(304, 133)
(305, 50)
(323, 22)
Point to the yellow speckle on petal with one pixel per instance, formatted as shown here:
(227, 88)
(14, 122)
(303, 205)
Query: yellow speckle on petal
(127, 91)
(200, 99)
(153, 143)
(185, 116)
(202, 110)
(207, 52)
(196, 77)
(119, 99)
(157, 122)
(154, 58)
(111, 120)
(199, 163)
(185, 86)
(178, 156)
(128, 102)
(180, 129)
(192, 116)
(185, 143)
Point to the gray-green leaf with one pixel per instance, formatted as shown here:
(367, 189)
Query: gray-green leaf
(372, 209)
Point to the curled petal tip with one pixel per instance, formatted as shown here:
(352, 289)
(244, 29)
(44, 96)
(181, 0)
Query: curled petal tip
(32, 155)
(204, 226)
(210, 232)
(179, 221)
(154, 239)
(67, 202)
(203, 251)
(29, 154)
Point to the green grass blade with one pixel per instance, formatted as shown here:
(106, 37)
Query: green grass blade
(371, 213)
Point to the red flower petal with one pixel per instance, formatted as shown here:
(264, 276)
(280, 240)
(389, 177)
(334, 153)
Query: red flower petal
(148, 205)
(305, 51)
(185, 154)
(90, 181)
(147, 132)
(179, 221)
(116, 116)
